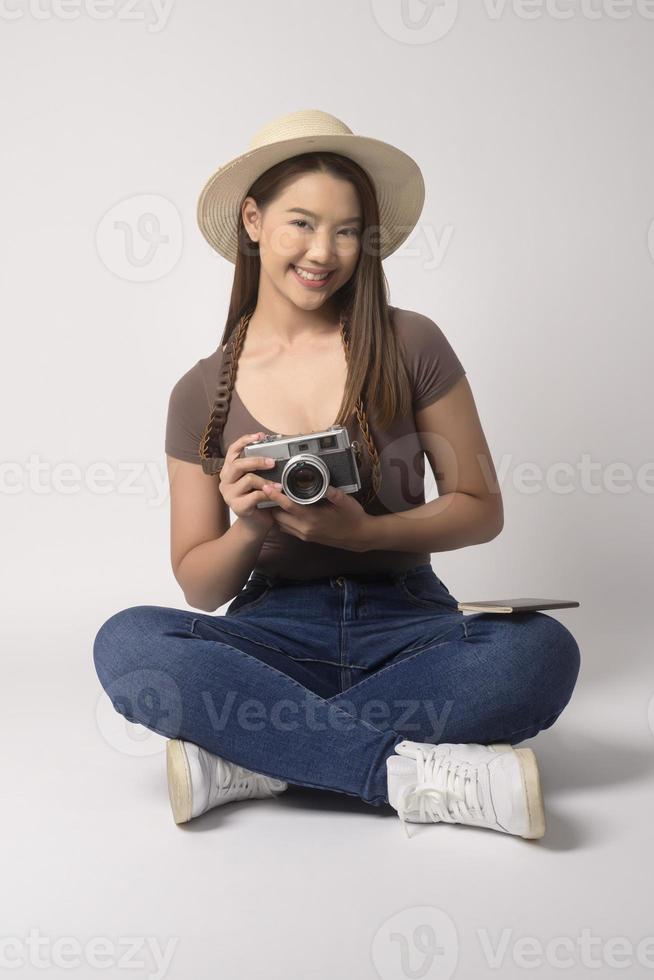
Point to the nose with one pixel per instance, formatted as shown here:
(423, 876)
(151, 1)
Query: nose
(320, 249)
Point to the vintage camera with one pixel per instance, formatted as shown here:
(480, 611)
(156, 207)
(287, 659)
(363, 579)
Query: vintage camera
(306, 465)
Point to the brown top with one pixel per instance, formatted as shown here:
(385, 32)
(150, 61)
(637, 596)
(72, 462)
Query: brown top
(433, 367)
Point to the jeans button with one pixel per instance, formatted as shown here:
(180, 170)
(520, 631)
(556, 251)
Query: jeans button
(340, 580)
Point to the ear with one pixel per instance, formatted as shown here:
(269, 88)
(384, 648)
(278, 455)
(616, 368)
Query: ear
(250, 215)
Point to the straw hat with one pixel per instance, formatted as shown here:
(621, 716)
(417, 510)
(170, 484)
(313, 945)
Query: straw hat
(397, 179)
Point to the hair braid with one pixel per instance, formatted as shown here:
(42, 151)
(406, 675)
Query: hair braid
(209, 448)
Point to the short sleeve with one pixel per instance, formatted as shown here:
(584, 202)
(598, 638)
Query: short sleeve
(435, 366)
(188, 414)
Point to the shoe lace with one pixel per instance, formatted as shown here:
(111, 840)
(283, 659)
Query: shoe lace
(234, 781)
(445, 791)
(243, 785)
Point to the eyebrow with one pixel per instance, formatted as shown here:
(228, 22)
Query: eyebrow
(346, 221)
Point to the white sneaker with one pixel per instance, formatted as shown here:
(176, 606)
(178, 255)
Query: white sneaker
(199, 781)
(493, 786)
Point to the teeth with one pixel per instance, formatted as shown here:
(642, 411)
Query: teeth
(310, 275)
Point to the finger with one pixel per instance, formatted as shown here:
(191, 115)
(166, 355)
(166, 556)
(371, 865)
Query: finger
(276, 494)
(235, 447)
(249, 482)
(283, 521)
(254, 498)
(237, 464)
(243, 464)
(333, 497)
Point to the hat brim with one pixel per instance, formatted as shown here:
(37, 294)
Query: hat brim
(397, 179)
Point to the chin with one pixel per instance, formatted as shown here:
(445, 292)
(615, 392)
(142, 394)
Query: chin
(308, 307)
(306, 299)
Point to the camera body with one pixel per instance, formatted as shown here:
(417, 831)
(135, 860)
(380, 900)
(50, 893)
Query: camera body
(307, 464)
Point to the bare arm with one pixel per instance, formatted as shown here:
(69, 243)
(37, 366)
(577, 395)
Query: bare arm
(211, 560)
(469, 508)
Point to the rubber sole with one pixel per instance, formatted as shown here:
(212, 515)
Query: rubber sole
(534, 795)
(180, 791)
(531, 783)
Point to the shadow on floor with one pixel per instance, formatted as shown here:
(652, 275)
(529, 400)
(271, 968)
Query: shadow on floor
(567, 761)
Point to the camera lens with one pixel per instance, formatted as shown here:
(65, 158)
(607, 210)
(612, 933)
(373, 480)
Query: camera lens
(305, 480)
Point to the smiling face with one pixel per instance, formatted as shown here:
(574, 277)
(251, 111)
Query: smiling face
(309, 237)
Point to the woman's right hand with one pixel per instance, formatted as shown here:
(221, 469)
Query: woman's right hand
(241, 488)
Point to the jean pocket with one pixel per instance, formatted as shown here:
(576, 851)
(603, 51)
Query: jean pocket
(253, 594)
(422, 587)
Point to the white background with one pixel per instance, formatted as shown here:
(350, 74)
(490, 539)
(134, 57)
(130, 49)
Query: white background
(533, 131)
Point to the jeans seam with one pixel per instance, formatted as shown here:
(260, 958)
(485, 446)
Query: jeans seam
(405, 660)
(422, 644)
(311, 660)
(341, 635)
(237, 636)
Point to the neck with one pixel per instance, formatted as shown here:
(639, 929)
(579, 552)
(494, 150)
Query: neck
(278, 319)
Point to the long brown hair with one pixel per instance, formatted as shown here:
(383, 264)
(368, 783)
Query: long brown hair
(377, 374)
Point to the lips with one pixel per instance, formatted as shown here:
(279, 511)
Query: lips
(311, 283)
(313, 272)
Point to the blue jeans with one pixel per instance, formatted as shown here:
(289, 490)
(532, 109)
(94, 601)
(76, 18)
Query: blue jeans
(315, 682)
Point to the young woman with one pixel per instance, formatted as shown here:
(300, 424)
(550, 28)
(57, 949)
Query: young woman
(342, 661)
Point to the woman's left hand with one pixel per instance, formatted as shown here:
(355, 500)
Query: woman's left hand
(337, 520)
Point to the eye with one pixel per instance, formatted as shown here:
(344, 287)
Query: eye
(301, 223)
